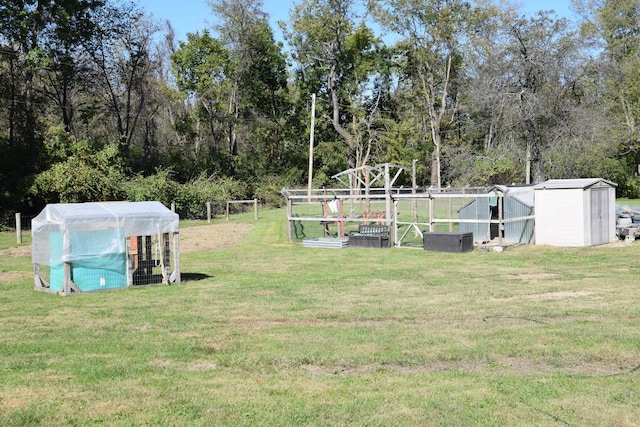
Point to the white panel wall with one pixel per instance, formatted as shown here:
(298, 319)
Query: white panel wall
(560, 217)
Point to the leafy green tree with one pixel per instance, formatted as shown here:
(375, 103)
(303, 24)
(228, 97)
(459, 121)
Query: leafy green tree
(526, 95)
(257, 97)
(38, 44)
(431, 33)
(123, 67)
(86, 174)
(200, 67)
(614, 28)
(158, 186)
(341, 61)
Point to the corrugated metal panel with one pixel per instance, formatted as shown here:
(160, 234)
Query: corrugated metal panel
(476, 209)
(518, 231)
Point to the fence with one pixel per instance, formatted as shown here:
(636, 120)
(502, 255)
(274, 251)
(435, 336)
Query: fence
(496, 212)
(20, 222)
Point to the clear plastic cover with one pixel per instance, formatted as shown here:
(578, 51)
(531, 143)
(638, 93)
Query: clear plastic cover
(83, 231)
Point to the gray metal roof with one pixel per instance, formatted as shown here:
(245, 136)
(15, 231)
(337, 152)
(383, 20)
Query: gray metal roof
(579, 183)
(524, 193)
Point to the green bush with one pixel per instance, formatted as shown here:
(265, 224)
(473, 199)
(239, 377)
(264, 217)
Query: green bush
(268, 189)
(630, 188)
(194, 195)
(85, 176)
(159, 186)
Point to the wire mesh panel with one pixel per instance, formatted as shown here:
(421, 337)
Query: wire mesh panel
(150, 259)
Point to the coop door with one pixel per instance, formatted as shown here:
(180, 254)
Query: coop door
(600, 216)
(149, 258)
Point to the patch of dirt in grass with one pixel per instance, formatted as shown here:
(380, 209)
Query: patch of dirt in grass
(550, 295)
(16, 251)
(11, 276)
(12, 402)
(162, 363)
(535, 276)
(522, 366)
(202, 365)
(208, 237)
(560, 295)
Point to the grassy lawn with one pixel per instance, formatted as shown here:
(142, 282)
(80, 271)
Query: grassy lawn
(271, 333)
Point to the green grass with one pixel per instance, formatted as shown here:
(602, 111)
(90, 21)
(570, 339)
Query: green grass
(271, 333)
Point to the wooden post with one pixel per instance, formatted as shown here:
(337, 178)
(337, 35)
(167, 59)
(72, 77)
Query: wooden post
(414, 189)
(228, 210)
(66, 283)
(431, 215)
(289, 218)
(208, 211)
(387, 192)
(255, 208)
(176, 257)
(173, 207)
(313, 120)
(366, 189)
(19, 228)
(341, 216)
(396, 242)
(500, 223)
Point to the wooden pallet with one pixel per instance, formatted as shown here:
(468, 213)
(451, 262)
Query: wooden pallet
(326, 242)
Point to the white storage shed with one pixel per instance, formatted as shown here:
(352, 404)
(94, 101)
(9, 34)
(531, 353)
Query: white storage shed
(106, 245)
(575, 212)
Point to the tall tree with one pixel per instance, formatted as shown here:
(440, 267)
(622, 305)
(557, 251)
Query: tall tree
(340, 60)
(122, 66)
(38, 38)
(256, 78)
(614, 26)
(431, 33)
(526, 91)
(200, 68)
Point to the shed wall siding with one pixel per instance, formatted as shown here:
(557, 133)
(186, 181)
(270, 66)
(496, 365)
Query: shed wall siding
(560, 217)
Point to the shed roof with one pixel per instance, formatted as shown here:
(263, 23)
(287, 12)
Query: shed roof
(579, 183)
(524, 193)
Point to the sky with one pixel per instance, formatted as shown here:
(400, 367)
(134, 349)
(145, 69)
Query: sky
(189, 16)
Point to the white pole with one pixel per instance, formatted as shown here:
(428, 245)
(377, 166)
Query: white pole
(19, 228)
(313, 122)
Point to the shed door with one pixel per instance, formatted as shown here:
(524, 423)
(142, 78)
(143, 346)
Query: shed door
(599, 216)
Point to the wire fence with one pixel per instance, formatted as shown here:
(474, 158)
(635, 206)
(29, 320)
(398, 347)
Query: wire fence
(209, 211)
(10, 222)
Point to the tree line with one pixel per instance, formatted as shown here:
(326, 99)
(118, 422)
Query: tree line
(101, 102)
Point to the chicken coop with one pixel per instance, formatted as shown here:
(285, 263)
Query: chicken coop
(84, 247)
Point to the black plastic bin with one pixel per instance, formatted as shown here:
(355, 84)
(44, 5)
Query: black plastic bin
(447, 242)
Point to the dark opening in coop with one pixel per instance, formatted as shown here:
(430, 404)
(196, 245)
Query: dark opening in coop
(149, 259)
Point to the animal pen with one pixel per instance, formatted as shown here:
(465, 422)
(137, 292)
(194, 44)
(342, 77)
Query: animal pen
(499, 213)
(110, 245)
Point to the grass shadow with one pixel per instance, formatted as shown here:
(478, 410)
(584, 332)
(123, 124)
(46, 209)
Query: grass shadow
(193, 277)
